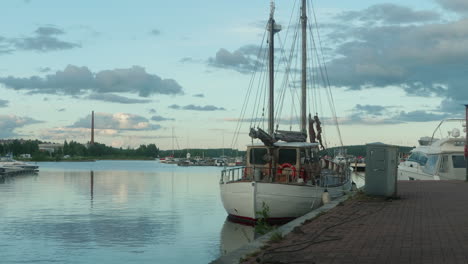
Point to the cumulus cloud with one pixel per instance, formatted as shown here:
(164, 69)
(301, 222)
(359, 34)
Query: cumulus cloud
(44, 69)
(4, 103)
(425, 60)
(152, 111)
(390, 14)
(369, 109)
(460, 6)
(197, 108)
(9, 123)
(117, 121)
(44, 39)
(77, 134)
(242, 60)
(117, 99)
(74, 80)
(160, 118)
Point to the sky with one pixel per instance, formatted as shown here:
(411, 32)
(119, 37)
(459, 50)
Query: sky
(154, 70)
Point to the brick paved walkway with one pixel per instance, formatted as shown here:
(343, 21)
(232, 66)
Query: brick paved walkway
(429, 224)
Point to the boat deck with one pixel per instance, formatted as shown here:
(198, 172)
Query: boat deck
(428, 224)
(6, 172)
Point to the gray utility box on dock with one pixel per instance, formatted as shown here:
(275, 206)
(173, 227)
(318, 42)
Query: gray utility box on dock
(381, 170)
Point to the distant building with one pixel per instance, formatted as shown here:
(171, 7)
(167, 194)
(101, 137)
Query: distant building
(25, 156)
(50, 147)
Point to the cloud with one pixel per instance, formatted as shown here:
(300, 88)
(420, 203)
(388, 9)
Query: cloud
(243, 60)
(117, 99)
(117, 121)
(44, 39)
(74, 80)
(389, 14)
(9, 123)
(4, 103)
(197, 108)
(160, 118)
(369, 109)
(61, 110)
(419, 116)
(77, 134)
(48, 31)
(155, 32)
(424, 60)
(152, 111)
(44, 69)
(460, 6)
(199, 95)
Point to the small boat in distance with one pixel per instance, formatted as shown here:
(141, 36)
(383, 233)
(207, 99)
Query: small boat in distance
(285, 176)
(437, 159)
(10, 166)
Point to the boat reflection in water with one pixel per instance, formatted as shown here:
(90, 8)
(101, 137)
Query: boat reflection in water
(235, 236)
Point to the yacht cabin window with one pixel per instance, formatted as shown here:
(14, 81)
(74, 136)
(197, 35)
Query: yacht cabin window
(258, 156)
(431, 164)
(458, 161)
(418, 157)
(287, 156)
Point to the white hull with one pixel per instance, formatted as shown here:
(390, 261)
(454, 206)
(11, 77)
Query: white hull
(285, 201)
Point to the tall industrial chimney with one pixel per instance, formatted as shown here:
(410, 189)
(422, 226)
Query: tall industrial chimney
(92, 128)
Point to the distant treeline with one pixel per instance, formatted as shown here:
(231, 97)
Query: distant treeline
(75, 150)
(17, 147)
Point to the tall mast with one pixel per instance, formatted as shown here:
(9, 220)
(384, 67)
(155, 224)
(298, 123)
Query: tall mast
(304, 67)
(273, 28)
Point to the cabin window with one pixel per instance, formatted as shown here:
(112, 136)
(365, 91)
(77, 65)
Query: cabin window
(418, 157)
(459, 161)
(258, 156)
(287, 156)
(430, 167)
(414, 157)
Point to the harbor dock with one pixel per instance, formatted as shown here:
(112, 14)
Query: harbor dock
(426, 223)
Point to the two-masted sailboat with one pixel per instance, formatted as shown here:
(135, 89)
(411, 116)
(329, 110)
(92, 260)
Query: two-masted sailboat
(285, 176)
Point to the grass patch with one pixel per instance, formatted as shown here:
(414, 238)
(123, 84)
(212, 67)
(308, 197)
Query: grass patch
(276, 237)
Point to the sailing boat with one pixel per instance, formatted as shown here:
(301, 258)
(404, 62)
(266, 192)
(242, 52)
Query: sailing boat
(284, 175)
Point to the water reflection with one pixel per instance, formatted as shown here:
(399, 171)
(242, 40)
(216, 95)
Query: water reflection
(111, 216)
(234, 236)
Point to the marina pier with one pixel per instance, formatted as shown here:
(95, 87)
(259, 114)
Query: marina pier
(425, 224)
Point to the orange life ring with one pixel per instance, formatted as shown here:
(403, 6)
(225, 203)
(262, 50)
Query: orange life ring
(287, 165)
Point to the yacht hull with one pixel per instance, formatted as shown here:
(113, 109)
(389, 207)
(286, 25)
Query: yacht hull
(244, 200)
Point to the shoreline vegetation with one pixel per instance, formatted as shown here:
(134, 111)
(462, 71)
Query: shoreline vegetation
(37, 151)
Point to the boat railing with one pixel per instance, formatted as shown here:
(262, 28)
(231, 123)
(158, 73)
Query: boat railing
(233, 174)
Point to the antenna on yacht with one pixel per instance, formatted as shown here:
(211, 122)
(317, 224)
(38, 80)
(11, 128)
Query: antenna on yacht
(272, 8)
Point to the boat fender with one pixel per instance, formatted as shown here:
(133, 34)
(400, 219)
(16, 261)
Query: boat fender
(302, 174)
(325, 197)
(323, 164)
(286, 165)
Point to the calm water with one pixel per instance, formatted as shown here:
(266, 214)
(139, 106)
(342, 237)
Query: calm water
(122, 212)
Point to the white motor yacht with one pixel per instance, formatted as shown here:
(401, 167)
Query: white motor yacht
(437, 159)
